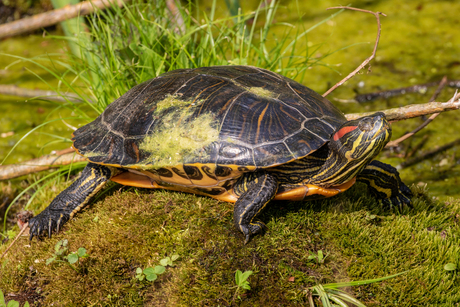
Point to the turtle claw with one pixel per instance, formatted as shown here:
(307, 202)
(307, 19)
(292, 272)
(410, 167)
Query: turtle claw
(47, 221)
(252, 229)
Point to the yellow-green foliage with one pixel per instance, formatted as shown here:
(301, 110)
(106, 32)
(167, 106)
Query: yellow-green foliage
(179, 138)
(260, 91)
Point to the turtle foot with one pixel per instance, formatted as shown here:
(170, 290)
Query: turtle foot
(47, 222)
(252, 229)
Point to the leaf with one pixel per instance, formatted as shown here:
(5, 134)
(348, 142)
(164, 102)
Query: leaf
(12, 303)
(359, 282)
(246, 286)
(58, 245)
(81, 252)
(138, 271)
(49, 260)
(26, 304)
(174, 257)
(245, 275)
(159, 269)
(238, 274)
(320, 255)
(2, 299)
(151, 277)
(72, 258)
(164, 261)
(148, 271)
(450, 267)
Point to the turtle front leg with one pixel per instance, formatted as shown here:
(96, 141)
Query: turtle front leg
(92, 179)
(255, 191)
(385, 185)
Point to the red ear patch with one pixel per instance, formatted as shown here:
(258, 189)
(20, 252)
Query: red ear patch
(343, 131)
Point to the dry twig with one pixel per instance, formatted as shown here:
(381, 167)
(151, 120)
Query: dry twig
(24, 227)
(396, 142)
(363, 64)
(428, 154)
(14, 90)
(418, 88)
(50, 18)
(414, 110)
(63, 157)
(177, 17)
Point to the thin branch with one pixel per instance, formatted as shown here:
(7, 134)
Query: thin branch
(414, 110)
(418, 88)
(14, 90)
(428, 154)
(177, 17)
(354, 72)
(52, 17)
(63, 157)
(24, 227)
(396, 142)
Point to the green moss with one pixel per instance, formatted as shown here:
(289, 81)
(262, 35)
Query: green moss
(179, 138)
(137, 228)
(260, 91)
(171, 101)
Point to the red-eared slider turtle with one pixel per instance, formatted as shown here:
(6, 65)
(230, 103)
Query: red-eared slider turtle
(236, 133)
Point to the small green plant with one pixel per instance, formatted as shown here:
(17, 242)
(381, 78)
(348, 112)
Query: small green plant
(151, 274)
(242, 283)
(11, 303)
(331, 292)
(169, 260)
(319, 257)
(450, 266)
(61, 254)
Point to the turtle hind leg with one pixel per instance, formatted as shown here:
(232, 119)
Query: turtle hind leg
(92, 179)
(255, 191)
(385, 185)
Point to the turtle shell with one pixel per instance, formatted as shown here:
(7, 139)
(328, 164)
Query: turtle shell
(222, 115)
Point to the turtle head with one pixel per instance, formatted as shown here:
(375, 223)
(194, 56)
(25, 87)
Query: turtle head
(361, 139)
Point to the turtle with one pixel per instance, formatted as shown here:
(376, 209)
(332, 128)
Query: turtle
(239, 134)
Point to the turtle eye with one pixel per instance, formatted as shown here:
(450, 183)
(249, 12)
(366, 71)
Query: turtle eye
(366, 124)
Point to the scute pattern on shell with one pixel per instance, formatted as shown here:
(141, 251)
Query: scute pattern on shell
(253, 130)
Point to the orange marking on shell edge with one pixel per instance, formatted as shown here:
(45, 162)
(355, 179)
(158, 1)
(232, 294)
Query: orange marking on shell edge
(343, 131)
(135, 180)
(301, 192)
(142, 181)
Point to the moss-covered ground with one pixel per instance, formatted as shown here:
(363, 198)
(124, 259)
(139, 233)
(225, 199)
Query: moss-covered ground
(130, 228)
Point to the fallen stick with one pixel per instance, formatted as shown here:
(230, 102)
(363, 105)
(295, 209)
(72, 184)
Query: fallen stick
(413, 110)
(396, 142)
(14, 90)
(366, 61)
(428, 154)
(419, 88)
(50, 18)
(24, 227)
(63, 157)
